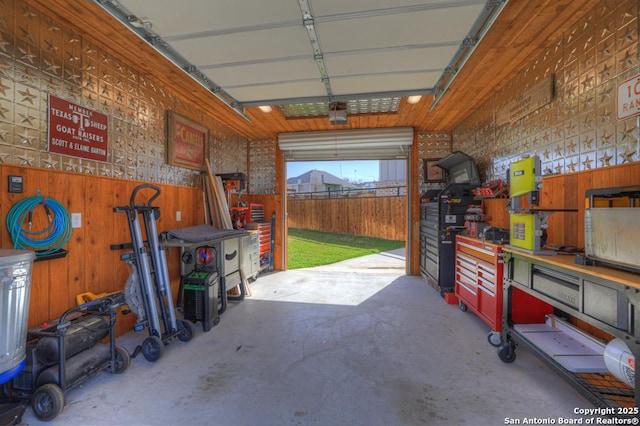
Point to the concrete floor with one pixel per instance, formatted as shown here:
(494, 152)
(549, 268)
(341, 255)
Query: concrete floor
(355, 343)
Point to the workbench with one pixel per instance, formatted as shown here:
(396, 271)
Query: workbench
(605, 298)
(203, 244)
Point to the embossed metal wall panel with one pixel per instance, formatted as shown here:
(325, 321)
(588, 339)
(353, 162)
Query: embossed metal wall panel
(39, 56)
(431, 145)
(262, 160)
(578, 130)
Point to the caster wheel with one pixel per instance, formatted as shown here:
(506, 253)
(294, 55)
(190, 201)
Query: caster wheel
(122, 361)
(152, 348)
(462, 306)
(494, 339)
(186, 331)
(216, 321)
(507, 353)
(47, 402)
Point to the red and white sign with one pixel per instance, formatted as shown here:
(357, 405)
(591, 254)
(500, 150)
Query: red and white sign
(77, 131)
(628, 98)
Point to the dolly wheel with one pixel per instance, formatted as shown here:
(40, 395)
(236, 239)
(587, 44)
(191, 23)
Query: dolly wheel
(152, 348)
(216, 321)
(462, 306)
(507, 353)
(122, 361)
(494, 339)
(186, 331)
(47, 402)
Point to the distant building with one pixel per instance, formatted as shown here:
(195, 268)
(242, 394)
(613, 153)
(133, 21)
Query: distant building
(317, 181)
(393, 178)
(393, 171)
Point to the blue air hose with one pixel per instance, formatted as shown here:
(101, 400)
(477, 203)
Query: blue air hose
(46, 241)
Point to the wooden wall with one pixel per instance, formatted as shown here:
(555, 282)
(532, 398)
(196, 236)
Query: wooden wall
(90, 265)
(567, 191)
(380, 217)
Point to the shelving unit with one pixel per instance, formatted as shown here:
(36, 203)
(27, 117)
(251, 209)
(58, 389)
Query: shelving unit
(602, 297)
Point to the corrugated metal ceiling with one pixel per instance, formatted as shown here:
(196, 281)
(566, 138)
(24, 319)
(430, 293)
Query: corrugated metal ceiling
(304, 55)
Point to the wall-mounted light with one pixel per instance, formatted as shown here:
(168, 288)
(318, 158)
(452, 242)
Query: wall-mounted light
(266, 108)
(412, 100)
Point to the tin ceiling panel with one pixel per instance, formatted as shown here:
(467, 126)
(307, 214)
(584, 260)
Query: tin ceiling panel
(293, 52)
(360, 106)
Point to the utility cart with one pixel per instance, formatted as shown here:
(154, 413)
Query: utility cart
(65, 352)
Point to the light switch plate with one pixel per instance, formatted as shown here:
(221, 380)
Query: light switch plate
(76, 220)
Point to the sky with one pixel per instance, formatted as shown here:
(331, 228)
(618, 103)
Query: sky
(355, 171)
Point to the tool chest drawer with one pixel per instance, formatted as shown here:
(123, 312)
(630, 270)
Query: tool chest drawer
(478, 285)
(560, 283)
(264, 242)
(264, 232)
(265, 237)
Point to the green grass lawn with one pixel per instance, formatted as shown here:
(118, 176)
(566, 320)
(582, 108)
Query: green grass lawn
(314, 248)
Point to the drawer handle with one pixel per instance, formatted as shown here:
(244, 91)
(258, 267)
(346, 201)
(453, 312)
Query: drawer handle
(230, 256)
(467, 288)
(489, 292)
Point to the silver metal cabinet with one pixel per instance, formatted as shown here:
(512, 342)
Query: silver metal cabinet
(250, 255)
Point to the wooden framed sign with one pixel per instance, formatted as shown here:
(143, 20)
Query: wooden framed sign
(187, 142)
(433, 173)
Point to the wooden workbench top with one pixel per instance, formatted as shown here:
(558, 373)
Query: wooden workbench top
(568, 262)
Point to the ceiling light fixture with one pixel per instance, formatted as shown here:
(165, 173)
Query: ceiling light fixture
(412, 100)
(266, 108)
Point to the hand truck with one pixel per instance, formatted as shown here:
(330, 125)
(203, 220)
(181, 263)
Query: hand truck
(148, 288)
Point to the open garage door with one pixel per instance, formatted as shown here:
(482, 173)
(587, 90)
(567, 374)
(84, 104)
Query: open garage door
(361, 144)
(357, 144)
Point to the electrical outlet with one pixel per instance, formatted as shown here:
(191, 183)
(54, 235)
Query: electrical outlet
(76, 220)
(178, 216)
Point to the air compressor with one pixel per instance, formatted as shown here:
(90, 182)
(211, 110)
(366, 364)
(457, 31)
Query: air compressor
(81, 335)
(77, 368)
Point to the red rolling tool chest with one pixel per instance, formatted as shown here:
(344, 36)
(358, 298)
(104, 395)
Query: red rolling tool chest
(478, 284)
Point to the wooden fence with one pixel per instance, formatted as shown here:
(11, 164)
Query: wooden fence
(384, 191)
(380, 217)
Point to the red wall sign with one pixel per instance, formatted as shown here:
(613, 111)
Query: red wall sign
(188, 142)
(77, 131)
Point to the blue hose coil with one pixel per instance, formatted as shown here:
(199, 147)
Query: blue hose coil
(46, 241)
